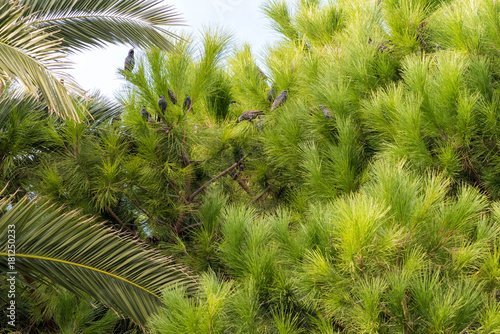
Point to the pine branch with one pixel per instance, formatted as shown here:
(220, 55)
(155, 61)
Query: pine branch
(190, 199)
(258, 197)
(187, 189)
(243, 185)
(120, 221)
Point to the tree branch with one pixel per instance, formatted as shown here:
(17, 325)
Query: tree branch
(243, 185)
(187, 188)
(120, 221)
(258, 197)
(200, 189)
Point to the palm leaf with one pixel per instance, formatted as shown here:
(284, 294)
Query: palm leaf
(65, 248)
(33, 57)
(84, 24)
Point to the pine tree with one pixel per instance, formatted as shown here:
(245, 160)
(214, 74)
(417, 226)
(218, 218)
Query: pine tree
(382, 217)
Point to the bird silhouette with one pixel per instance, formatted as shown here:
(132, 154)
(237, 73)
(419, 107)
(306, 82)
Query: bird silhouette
(172, 97)
(145, 115)
(280, 100)
(187, 103)
(129, 61)
(249, 115)
(271, 95)
(162, 103)
(327, 112)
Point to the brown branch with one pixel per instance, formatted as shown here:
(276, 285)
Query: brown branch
(120, 221)
(258, 197)
(142, 188)
(187, 188)
(243, 185)
(200, 189)
(179, 222)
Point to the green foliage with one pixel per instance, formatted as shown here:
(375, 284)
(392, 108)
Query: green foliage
(366, 203)
(70, 250)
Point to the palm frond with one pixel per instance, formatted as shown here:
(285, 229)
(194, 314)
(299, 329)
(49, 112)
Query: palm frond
(33, 57)
(85, 24)
(65, 248)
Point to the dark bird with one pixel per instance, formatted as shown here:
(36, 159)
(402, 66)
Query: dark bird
(327, 112)
(162, 103)
(187, 103)
(172, 97)
(145, 115)
(249, 115)
(271, 95)
(129, 61)
(280, 100)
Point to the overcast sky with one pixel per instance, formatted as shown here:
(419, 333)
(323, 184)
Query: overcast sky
(244, 19)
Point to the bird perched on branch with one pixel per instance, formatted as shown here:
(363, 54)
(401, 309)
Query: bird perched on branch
(249, 115)
(129, 61)
(327, 112)
(145, 115)
(280, 100)
(172, 97)
(162, 103)
(271, 95)
(187, 103)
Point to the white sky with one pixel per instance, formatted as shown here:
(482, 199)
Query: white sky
(243, 18)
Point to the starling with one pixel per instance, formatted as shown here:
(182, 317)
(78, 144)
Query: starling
(249, 115)
(129, 61)
(279, 100)
(327, 112)
(271, 95)
(172, 97)
(187, 103)
(162, 103)
(145, 115)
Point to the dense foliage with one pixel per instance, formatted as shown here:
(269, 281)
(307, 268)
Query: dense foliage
(379, 213)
